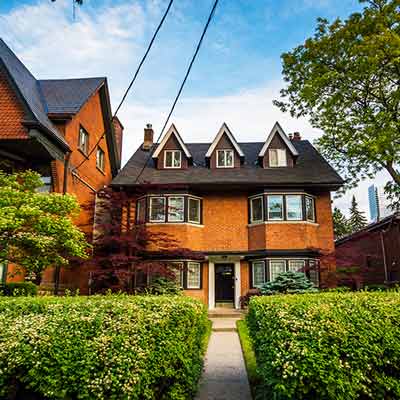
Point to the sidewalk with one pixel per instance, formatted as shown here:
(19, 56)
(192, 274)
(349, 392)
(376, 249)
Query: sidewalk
(224, 376)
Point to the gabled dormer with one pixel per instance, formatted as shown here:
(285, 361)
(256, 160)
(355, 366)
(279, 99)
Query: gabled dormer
(278, 150)
(172, 153)
(224, 151)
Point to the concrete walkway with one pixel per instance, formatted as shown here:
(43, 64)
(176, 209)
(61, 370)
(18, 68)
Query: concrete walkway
(224, 376)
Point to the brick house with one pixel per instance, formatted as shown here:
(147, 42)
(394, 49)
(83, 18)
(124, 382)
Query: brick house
(252, 209)
(52, 126)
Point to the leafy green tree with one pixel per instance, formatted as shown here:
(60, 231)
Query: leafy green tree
(340, 224)
(36, 230)
(346, 79)
(357, 219)
(289, 282)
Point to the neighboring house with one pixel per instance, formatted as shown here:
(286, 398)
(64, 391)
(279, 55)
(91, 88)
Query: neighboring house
(52, 126)
(253, 209)
(371, 255)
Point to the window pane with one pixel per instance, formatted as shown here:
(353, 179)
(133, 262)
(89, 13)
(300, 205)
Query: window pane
(194, 210)
(83, 140)
(220, 158)
(193, 276)
(313, 272)
(141, 211)
(229, 158)
(310, 209)
(177, 159)
(256, 209)
(273, 158)
(294, 207)
(100, 159)
(276, 267)
(275, 207)
(296, 265)
(175, 209)
(168, 159)
(258, 273)
(282, 162)
(157, 209)
(177, 269)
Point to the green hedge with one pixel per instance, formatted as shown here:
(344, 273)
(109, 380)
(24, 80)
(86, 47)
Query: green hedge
(101, 347)
(327, 346)
(18, 289)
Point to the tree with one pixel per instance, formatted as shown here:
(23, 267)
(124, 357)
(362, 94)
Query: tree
(346, 78)
(357, 219)
(340, 224)
(36, 230)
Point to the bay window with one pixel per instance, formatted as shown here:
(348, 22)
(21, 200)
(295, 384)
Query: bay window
(177, 268)
(194, 275)
(310, 211)
(275, 207)
(294, 207)
(141, 211)
(276, 267)
(194, 210)
(296, 265)
(258, 273)
(176, 209)
(157, 209)
(225, 158)
(256, 209)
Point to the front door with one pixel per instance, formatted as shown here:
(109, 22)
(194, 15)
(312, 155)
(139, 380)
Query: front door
(224, 282)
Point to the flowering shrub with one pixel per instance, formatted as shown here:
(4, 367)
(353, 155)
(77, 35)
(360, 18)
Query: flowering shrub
(18, 289)
(327, 346)
(101, 347)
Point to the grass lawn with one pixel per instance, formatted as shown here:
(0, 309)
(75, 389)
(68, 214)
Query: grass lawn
(249, 356)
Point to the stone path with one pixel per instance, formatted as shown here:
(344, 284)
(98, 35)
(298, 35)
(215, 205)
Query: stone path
(224, 376)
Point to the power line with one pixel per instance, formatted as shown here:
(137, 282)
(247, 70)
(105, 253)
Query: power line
(182, 86)
(132, 81)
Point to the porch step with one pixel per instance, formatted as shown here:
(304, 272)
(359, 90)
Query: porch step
(224, 324)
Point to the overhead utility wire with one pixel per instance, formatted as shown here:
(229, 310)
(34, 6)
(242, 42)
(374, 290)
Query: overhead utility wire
(181, 87)
(132, 81)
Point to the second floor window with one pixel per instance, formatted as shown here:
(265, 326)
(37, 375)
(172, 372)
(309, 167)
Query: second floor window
(256, 209)
(157, 209)
(172, 159)
(194, 210)
(225, 159)
(83, 142)
(275, 207)
(294, 208)
(176, 209)
(100, 159)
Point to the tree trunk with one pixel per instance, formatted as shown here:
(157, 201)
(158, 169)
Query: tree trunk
(393, 173)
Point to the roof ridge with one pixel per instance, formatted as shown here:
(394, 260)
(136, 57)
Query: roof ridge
(72, 79)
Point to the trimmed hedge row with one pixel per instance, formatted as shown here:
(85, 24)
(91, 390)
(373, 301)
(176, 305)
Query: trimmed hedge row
(327, 346)
(18, 289)
(101, 347)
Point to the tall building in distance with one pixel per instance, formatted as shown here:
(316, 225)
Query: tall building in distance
(378, 203)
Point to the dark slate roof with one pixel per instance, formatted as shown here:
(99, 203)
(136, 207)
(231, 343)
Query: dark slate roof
(67, 96)
(311, 168)
(29, 90)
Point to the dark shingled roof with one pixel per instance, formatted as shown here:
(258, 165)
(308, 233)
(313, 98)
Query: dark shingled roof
(311, 168)
(67, 96)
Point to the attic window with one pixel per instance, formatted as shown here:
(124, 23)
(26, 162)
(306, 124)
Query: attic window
(224, 158)
(172, 159)
(277, 158)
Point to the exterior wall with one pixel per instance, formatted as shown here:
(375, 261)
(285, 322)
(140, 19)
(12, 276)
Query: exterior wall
(172, 144)
(224, 144)
(278, 143)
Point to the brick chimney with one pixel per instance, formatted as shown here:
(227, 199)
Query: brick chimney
(291, 136)
(148, 137)
(119, 132)
(296, 136)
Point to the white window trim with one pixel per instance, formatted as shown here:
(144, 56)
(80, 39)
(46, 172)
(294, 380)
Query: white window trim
(199, 275)
(225, 152)
(183, 209)
(312, 207)
(101, 165)
(150, 206)
(279, 158)
(262, 209)
(188, 210)
(85, 134)
(173, 152)
(252, 272)
(283, 207)
(301, 208)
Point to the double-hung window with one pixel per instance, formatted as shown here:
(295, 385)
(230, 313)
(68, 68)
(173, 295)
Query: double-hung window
(194, 210)
(157, 209)
(276, 267)
(176, 209)
(310, 211)
(83, 141)
(275, 207)
(258, 273)
(256, 209)
(193, 275)
(277, 158)
(225, 158)
(172, 159)
(294, 207)
(100, 159)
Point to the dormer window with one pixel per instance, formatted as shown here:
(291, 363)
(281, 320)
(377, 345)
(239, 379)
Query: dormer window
(277, 158)
(172, 159)
(225, 159)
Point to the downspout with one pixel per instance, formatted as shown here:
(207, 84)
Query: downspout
(384, 257)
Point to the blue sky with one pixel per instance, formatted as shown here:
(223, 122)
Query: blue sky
(235, 79)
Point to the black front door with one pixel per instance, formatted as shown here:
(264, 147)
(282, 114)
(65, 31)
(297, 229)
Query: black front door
(224, 282)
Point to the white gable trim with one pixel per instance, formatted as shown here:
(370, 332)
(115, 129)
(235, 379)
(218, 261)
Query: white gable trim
(278, 129)
(172, 131)
(224, 129)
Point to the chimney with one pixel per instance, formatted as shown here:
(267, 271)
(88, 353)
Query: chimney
(148, 137)
(296, 136)
(119, 132)
(291, 136)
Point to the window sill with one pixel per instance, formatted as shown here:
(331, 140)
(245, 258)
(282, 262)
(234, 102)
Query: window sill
(100, 170)
(175, 223)
(282, 222)
(83, 153)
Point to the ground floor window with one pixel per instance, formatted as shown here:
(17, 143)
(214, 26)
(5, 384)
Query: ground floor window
(193, 275)
(263, 271)
(187, 274)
